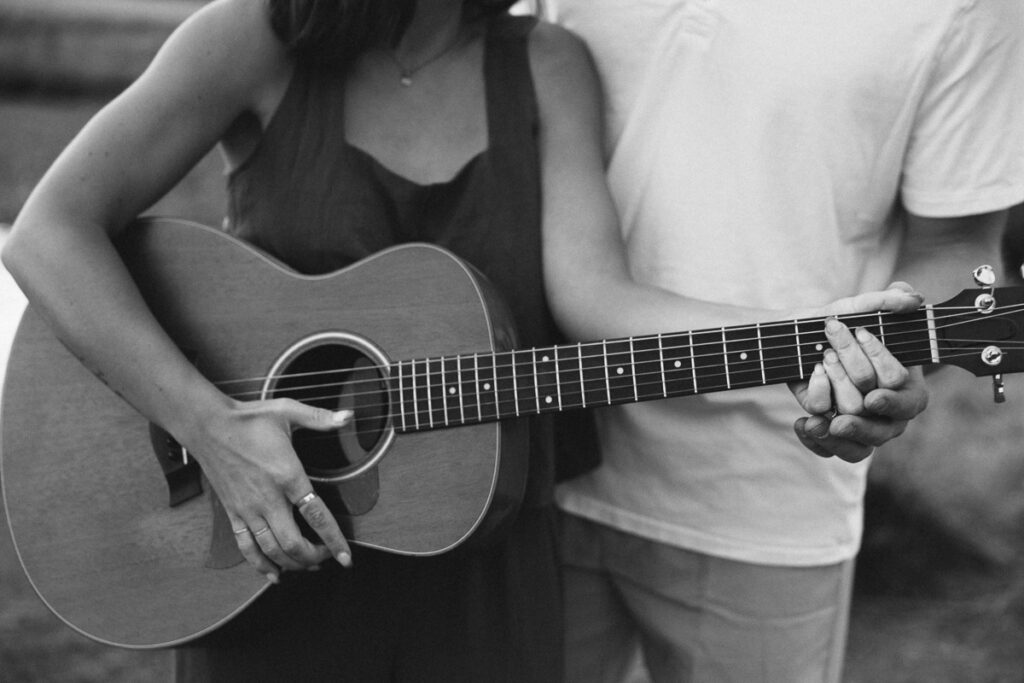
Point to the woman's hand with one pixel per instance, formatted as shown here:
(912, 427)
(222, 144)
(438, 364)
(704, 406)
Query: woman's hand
(247, 455)
(860, 396)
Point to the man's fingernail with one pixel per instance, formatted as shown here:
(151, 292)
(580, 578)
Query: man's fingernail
(832, 325)
(344, 559)
(272, 577)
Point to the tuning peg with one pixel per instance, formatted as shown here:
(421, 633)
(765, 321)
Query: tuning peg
(998, 390)
(985, 276)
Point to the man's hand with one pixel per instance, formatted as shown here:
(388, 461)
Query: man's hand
(860, 396)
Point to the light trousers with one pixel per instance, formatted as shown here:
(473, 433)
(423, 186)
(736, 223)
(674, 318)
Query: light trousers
(638, 610)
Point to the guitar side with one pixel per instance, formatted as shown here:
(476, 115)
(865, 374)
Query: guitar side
(86, 502)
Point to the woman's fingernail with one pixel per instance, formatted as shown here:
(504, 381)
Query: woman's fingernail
(340, 418)
(272, 577)
(863, 336)
(344, 559)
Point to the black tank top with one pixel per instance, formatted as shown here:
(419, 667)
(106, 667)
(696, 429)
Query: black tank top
(318, 203)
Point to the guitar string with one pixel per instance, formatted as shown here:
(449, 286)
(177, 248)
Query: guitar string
(531, 390)
(490, 416)
(788, 324)
(497, 405)
(894, 329)
(665, 388)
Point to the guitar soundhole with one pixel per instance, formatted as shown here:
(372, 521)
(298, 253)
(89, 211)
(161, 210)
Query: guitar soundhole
(336, 376)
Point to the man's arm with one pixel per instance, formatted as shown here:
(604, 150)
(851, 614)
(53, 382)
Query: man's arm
(940, 253)
(593, 295)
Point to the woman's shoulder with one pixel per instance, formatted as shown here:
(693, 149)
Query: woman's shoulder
(230, 41)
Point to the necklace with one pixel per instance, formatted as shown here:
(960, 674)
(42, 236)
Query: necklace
(405, 73)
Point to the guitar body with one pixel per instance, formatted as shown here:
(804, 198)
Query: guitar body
(89, 500)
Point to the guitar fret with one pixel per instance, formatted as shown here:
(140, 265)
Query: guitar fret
(607, 380)
(799, 352)
(881, 329)
(430, 401)
(760, 353)
(537, 383)
(444, 393)
(515, 382)
(415, 397)
(462, 403)
(401, 395)
(494, 372)
(558, 381)
(661, 364)
(725, 361)
(632, 362)
(476, 387)
(583, 387)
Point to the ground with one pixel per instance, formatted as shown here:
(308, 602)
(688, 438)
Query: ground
(930, 606)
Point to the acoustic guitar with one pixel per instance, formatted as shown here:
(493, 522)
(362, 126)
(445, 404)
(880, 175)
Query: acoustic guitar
(124, 541)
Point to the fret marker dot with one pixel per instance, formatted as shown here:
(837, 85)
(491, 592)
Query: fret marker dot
(818, 347)
(743, 356)
(547, 399)
(678, 364)
(452, 391)
(487, 386)
(619, 371)
(544, 358)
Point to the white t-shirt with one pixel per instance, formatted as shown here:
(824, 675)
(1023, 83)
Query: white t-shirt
(758, 155)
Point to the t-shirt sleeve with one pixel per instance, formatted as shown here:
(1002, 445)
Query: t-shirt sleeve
(966, 152)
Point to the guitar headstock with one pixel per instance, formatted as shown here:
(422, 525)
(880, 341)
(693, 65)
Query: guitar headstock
(982, 330)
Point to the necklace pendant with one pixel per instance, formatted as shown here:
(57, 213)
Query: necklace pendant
(405, 80)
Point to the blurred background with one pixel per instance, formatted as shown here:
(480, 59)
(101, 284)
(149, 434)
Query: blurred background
(940, 581)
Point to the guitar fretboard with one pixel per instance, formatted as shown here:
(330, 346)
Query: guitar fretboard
(434, 393)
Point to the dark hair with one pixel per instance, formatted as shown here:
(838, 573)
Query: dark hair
(334, 32)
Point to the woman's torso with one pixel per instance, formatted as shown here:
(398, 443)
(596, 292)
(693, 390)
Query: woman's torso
(348, 165)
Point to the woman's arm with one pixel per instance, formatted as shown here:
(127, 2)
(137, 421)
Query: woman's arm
(222, 62)
(593, 296)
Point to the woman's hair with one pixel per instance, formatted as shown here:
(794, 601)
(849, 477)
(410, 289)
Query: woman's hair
(334, 32)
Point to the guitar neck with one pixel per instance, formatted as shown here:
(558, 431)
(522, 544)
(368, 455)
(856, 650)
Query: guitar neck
(449, 391)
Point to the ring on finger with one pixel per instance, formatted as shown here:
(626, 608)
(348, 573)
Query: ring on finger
(240, 531)
(306, 499)
(262, 531)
